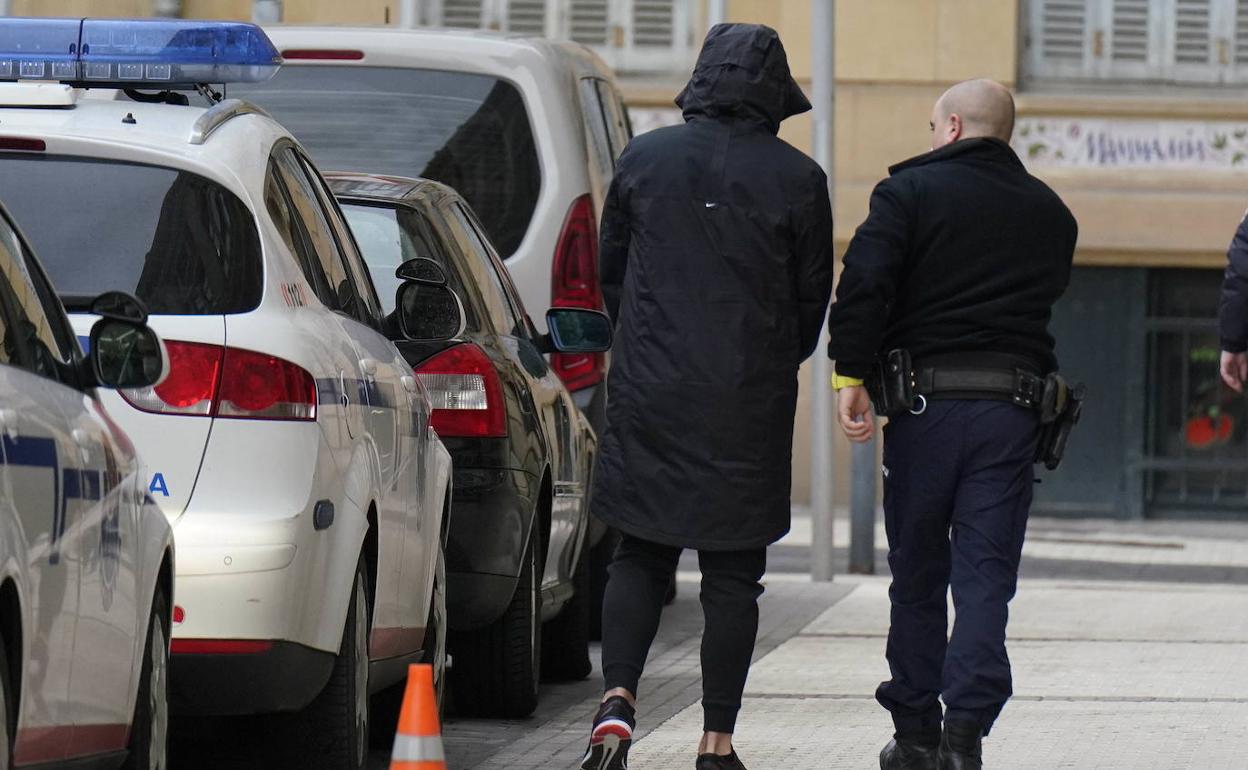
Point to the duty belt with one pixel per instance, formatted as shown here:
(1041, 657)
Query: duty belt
(1017, 386)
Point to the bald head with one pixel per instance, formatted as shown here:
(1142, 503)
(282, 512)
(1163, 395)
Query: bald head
(973, 108)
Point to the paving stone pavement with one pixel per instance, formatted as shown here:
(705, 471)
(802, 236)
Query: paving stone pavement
(1106, 676)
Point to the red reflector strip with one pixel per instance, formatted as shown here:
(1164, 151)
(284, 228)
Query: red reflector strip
(219, 647)
(323, 54)
(21, 144)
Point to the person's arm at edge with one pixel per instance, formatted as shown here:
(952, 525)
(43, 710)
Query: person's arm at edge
(871, 273)
(815, 265)
(1233, 311)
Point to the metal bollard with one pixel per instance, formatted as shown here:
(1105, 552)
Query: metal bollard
(862, 508)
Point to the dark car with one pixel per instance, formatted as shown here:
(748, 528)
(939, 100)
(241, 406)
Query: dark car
(517, 569)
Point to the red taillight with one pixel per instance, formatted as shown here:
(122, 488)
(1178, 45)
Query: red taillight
(211, 380)
(260, 386)
(323, 54)
(179, 615)
(574, 283)
(190, 388)
(466, 393)
(219, 647)
(21, 144)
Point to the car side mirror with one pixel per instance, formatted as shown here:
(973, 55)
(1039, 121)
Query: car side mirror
(125, 354)
(577, 330)
(429, 313)
(119, 306)
(421, 270)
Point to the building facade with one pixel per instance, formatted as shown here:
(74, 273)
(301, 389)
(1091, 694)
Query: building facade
(1133, 110)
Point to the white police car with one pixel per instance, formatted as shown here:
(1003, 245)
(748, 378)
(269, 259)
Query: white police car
(290, 444)
(86, 557)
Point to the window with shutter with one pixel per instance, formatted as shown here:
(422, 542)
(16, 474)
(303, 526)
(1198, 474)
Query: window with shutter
(1175, 41)
(527, 17)
(590, 22)
(462, 13)
(1241, 37)
(1059, 34)
(653, 23)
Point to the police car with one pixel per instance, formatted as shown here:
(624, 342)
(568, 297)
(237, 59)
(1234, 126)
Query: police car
(86, 557)
(290, 444)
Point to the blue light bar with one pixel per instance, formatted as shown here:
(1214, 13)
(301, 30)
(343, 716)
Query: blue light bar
(39, 49)
(135, 53)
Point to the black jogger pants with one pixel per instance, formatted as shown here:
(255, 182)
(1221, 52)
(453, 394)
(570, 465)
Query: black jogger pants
(636, 588)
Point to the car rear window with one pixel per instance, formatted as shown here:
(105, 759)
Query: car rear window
(180, 242)
(469, 131)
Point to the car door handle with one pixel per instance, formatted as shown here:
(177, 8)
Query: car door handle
(369, 367)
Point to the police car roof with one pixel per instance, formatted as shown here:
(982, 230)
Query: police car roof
(100, 116)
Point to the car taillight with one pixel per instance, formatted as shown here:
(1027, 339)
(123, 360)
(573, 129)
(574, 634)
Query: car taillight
(262, 387)
(212, 380)
(574, 283)
(466, 393)
(190, 388)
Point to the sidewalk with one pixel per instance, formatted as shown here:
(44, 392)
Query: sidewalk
(1107, 673)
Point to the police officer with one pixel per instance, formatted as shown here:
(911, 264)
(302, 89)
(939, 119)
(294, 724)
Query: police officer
(1233, 313)
(959, 263)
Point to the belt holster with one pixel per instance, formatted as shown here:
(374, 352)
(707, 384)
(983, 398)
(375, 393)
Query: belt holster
(891, 384)
(1061, 407)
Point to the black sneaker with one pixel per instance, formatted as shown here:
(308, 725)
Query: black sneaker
(719, 762)
(611, 736)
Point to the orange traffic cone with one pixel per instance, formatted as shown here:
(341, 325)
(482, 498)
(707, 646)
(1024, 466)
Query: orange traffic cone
(418, 743)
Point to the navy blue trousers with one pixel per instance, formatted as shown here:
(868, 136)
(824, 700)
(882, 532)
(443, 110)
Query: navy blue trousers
(957, 490)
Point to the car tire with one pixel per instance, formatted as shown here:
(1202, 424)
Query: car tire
(565, 640)
(149, 732)
(436, 631)
(332, 732)
(388, 703)
(600, 557)
(8, 711)
(497, 669)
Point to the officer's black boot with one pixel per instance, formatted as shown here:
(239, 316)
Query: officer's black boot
(960, 746)
(904, 754)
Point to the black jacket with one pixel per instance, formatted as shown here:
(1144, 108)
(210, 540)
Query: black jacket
(1233, 310)
(963, 252)
(717, 263)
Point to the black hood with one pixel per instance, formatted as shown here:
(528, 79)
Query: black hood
(743, 72)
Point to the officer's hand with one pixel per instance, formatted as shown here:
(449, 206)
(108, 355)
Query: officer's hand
(853, 406)
(1235, 370)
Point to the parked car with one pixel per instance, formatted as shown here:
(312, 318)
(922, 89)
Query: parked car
(290, 441)
(526, 129)
(86, 556)
(523, 452)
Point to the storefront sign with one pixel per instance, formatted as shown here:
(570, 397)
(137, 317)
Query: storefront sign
(1132, 144)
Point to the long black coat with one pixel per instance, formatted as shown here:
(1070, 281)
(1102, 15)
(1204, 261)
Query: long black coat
(716, 259)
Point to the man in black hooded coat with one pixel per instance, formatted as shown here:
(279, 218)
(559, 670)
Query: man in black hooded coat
(716, 259)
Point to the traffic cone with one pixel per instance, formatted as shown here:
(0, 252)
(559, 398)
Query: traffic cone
(418, 742)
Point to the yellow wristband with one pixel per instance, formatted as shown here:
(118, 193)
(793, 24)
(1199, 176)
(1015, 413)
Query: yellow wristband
(841, 381)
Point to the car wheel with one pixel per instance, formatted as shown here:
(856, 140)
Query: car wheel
(7, 711)
(149, 733)
(565, 640)
(498, 668)
(600, 557)
(333, 729)
(435, 632)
